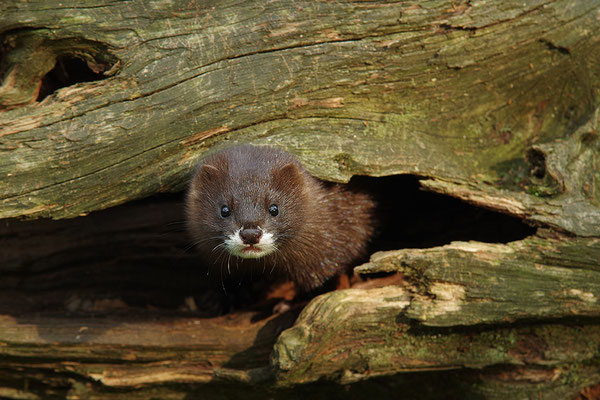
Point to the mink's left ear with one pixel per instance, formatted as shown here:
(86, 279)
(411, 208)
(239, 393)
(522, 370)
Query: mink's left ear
(286, 178)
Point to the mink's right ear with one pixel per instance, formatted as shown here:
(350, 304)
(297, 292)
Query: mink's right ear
(211, 172)
(208, 173)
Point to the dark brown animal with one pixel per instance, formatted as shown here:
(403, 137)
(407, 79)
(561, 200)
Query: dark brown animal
(253, 206)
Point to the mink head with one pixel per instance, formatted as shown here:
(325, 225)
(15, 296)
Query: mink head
(247, 200)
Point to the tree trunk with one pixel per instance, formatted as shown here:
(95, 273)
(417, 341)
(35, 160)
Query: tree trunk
(494, 103)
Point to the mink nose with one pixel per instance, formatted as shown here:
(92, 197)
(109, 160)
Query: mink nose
(250, 235)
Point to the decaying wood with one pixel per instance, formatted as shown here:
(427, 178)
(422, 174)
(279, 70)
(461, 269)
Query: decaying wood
(356, 333)
(491, 102)
(88, 357)
(370, 87)
(474, 283)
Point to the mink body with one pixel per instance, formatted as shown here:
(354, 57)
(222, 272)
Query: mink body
(257, 207)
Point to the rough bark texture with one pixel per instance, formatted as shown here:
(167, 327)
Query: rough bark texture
(480, 289)
(451, 90)
(495, 103)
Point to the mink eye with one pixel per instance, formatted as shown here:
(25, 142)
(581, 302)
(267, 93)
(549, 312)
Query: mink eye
(225, 211)
(273, 210)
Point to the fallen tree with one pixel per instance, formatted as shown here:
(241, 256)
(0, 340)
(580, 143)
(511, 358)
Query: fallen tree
(105, 104)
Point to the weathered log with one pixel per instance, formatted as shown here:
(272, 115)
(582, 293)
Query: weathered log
(89, 357)
(358, 334)
(493, 103)
(354, 334)
(474, 283)
(452, 91)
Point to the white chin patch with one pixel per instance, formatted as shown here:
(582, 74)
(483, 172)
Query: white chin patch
(236, 246)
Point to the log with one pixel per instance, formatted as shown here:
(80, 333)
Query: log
(474, 283)
(107, 103)
(375, 88)
(358, 334)
(460, 306)
(66, 357)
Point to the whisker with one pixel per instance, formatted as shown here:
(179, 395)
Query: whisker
(228, 259)
(200, 241)
(176, 223)
(220, 246)
(222, 280)
(221, 252)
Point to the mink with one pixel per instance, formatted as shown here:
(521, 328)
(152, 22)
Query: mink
(256, 206)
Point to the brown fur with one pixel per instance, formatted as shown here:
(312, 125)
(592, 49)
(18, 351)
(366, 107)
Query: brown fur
(321, 228)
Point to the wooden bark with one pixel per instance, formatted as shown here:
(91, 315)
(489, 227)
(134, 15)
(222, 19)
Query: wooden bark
(494, 103)
(351, 334)
(436, 88)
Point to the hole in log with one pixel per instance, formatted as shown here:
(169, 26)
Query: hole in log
(139, 255)
(34, 63)
(541, 183)
(537, 163)
(68, 71)
(414, 218)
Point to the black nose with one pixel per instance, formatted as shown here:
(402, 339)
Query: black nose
(250, 236)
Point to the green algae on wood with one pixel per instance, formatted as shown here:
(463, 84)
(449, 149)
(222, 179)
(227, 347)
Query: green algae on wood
(473, 283)
(444, 90)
